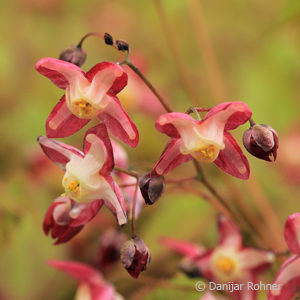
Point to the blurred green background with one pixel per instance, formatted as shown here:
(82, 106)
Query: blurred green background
(225, 50)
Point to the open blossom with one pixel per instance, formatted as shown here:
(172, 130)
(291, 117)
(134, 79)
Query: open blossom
(288, 277)
(91, 285)
(88, 96)
(229, 261)
(206, 141)
(87, 176)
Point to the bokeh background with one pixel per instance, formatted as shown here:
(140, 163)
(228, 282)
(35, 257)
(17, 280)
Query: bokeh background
(195, 53)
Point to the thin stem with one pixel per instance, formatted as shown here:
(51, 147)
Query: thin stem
(252, 123)
(148, 83)
(198, 109)
(79, 45)
(130, 173)
(133, 228)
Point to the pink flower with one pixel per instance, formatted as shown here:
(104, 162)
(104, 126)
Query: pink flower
(287, 279)
(91, 283)
(87, 180)
(229, 261)
(87, 96)
(206, 141)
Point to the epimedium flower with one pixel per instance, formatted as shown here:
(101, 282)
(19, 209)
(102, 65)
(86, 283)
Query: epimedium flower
(206, 141)
(261, 141)
(87, 96)
(287, 278)
(91, 285)
(87, 177)
(229, 261)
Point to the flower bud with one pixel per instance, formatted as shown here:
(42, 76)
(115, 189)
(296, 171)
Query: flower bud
(152, 188)
(122, 45)
(261, 141)
(73, 54)
(108, 39)
(135, 256)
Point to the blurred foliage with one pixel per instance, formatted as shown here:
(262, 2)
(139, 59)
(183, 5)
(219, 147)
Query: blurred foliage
(257, 47)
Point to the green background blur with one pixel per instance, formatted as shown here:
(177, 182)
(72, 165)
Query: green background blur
(257, 47)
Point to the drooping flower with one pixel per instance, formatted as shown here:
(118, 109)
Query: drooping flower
(135, 256)
(88, 96)
(229, 261)
(91, 285)
(287, 279)
(206, 141)
(261, 141)
(121, 161)
(87, 180)
(73, 54)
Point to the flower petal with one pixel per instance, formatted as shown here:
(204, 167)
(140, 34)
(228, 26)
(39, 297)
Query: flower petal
(61, 122)
(120, 155)
(83, 213)
(292, 233)
(118, 122)
(97, 147)
(229, 234)
(175, 124)
(108, 76)
(79, 271)
(203, 263)
(184, 248)
(58, 152)
(170, 158)
(241, 113)
(61, 73)
(232, 160)
(287, 280)
(255, 259)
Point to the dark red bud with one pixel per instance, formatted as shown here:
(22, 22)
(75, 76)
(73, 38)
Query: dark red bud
(152, 188)
(73, 54)
(135, 256)
(122, 45)
(261, 141)
(108, 39)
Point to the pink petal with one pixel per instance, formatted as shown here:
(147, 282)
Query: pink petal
(118, 209)
(120, 155)
(229, 234)
(59, 72)
(101, 132)
(292, 233)
(84, 212)
(242, 114)
(97, 73)
(204, 265)
(287, 280)
(255, 260)
(170, 158)
(184, 248)
(118, 122)
(173, 123)
(79, 271)
(232, 160)
(58, 152)
(61, 122)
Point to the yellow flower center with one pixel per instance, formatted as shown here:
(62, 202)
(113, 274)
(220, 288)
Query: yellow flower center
(206, 154)
(83, 109)
(72, 187)
(225, 264)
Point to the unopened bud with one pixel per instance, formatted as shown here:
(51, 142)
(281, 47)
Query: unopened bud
(152, 188)
(108, 39)
(122, 45)
(135, 256)
(261, 141)
(73, 54)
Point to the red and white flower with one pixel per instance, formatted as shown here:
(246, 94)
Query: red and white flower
(88, 96)
(206, 141)
(287, 278)
(87, 180)
(229, 261)
(91, 286)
